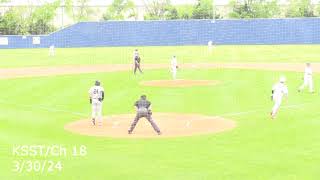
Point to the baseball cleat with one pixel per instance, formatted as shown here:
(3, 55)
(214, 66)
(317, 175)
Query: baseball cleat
(272, 116)
(159, 133)
(129, 132)
(93, 122)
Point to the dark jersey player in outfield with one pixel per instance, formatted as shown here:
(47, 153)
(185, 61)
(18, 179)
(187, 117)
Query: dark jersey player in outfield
(143, 110)
(136, 61)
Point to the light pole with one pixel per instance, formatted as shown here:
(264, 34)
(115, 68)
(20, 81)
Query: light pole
(213, 10)
(62, 13)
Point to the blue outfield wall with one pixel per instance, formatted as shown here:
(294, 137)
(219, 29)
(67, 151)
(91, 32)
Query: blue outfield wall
(180, 32)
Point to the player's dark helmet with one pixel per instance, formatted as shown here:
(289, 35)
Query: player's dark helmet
(97, 83)
(144, 97)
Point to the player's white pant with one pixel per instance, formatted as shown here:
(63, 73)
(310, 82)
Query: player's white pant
(97, 110)
(51, 52)
(307, 81)
(276, 106)
(174, 73)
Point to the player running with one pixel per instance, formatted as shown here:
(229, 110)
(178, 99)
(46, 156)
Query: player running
(307, 79)
(96, 95)
(174, 67)
(278, 91)
(136, 61)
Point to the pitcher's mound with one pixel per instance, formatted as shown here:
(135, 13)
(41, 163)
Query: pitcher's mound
(171, 125)
(179, 83)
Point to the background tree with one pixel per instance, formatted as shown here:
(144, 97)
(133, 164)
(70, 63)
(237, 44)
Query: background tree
(24, 20)
(254, 9)
(14, 22)
(171, 13)
(185, 11)
(160, 10)
(41, 19)
(120, 10)
(82, 12)
(203, 10)
(318, 10)
(300, 8)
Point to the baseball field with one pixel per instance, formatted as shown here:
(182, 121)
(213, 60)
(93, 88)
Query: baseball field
(41, 95)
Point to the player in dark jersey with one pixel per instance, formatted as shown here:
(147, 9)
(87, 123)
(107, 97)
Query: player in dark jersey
(136, 61)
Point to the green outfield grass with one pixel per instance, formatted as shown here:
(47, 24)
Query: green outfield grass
(123, 55)
(35, 110)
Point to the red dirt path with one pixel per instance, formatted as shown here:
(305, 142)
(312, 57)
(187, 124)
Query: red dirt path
(79, 69)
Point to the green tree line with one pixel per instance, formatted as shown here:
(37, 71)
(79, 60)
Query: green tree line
(23, 20)
(205, 9)
(39, 20)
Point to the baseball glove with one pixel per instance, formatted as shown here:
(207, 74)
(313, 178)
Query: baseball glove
(177, 67)
(138, 59)
(149, 112)
(90, 101)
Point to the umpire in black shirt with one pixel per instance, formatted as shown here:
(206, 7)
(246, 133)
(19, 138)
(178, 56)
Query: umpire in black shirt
(143, 110)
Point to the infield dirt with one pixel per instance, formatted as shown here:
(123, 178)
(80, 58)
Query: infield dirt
(171, 125)
(8, 73)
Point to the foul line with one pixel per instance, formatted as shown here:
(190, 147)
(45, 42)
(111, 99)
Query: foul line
(49, 109)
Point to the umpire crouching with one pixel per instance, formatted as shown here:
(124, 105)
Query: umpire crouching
(143, 110)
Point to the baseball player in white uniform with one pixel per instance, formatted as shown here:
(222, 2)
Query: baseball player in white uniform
(174, 67)
(278, 91)
(96, 95)
(52, 50)
(307, 79)
(210, 43)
